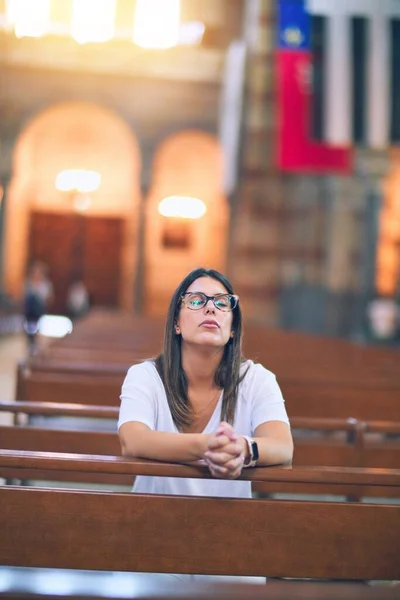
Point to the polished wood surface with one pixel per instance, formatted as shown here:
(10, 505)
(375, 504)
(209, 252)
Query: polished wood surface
(174, 534)
(119, 465)
(319, 377)
(350, 446)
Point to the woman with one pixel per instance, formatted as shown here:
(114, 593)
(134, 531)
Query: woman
(38, 297)
(200, 400)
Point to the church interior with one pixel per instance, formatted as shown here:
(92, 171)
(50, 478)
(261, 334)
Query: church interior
(258, 142)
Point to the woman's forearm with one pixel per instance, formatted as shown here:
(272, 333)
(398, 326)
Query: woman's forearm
(273, 451)
(162, 446)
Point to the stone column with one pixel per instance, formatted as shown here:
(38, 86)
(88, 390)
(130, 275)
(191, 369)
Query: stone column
(256, 228)
(5, 179)
(351, 241)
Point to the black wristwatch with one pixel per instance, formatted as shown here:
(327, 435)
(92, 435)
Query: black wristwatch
(253, 456)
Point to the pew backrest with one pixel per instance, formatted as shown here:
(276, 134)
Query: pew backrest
(102, 386)
(345, 447)
(174, 534)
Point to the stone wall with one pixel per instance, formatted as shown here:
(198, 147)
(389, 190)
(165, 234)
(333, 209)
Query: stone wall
(184, 104)
(302, 248)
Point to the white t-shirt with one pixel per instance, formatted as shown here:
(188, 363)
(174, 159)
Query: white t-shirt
(42, 289)
(143, 399)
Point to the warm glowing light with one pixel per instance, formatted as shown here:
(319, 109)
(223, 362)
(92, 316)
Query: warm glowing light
(156, 23)
(78, 180)
(30, 18)
(191, 33)
(93, 21)
(184, 207)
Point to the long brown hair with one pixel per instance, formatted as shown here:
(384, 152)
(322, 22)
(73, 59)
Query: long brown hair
(169, 363)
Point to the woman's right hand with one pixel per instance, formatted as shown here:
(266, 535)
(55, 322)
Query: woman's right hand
(225, 453)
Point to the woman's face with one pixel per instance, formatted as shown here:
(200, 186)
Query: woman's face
(207, 326)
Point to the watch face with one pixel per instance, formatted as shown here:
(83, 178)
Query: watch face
(254, 447)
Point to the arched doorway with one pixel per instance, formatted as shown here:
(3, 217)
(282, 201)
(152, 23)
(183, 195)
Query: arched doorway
(187, 177)
(93, 235)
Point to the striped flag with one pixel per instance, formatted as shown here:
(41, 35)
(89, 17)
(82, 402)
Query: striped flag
(297, 151)
(356, 47)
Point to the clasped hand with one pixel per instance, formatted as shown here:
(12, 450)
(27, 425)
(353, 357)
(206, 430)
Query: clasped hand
(225, 453)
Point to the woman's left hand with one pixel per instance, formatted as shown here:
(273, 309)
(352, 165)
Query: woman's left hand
(226, 453)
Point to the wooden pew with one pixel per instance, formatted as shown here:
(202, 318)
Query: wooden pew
(61, 357)
(69, 387)
(360, 400)
(319, 376)
(351, 449)
(309, 356)
(51, 409)
(329, 377)
(348, 450)
(53, 437)
(174, 534)
(103, 386)
(65, 358)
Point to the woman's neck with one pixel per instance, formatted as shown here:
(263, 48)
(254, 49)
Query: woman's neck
(200, 365)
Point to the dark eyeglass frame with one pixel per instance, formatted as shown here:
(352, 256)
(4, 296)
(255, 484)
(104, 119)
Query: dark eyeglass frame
(233, 300)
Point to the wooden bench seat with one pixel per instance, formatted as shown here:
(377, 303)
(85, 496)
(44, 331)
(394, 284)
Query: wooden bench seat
(276, 348)
(327, 378)
(350, 449)
(288, 354)
(334, 400)
(174, 534)
(69, 388)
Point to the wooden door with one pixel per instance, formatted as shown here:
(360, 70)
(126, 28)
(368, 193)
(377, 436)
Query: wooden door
(78, 247)
(51, 241)
(102, 260)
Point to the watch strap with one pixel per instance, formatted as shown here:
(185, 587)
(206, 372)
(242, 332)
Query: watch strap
(252, 455)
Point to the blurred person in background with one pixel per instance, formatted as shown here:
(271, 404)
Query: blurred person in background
(78, 301)
(383, 320)
(38, 298)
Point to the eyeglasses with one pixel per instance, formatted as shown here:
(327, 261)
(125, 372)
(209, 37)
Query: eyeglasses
(198, 300)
